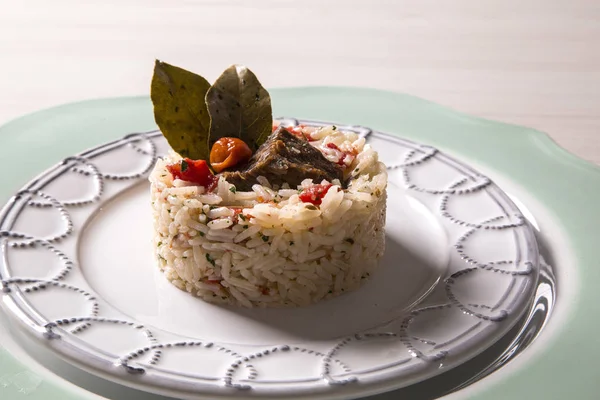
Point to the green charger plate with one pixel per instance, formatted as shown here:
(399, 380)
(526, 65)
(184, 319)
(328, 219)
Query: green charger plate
(567, 187)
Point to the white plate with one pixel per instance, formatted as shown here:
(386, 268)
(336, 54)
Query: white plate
(460, 268)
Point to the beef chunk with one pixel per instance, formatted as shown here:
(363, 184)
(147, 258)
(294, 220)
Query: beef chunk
(283, 157)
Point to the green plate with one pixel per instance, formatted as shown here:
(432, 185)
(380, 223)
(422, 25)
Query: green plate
(567, 188)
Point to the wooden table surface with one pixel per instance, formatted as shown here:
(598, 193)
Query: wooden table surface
(534, 63)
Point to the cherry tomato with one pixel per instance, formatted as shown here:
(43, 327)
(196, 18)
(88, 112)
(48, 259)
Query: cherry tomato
(195, 171)
(314, 194)
(228, 152)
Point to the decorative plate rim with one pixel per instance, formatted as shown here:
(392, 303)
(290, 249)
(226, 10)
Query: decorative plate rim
(542, 150)
(68, 346)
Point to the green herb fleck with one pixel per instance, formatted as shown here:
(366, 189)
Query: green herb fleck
(209, 259)
(232, 189)
(201, 233)
(245, 226)
(334, 128)
(184, 165)
(242, 217)
(212, 207)
(159, 244)
(330, 292)
(291, 243)
(311, 207)
(265, 238)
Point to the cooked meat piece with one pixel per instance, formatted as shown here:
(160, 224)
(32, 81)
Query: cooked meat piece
(284, 157)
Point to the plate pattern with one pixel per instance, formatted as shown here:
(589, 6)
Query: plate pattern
(435, 179)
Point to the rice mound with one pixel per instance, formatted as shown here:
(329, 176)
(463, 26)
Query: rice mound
(267, 248)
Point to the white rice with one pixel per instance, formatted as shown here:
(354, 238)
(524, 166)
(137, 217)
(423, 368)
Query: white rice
(279, 251)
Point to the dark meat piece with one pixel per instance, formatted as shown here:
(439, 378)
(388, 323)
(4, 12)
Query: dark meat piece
(284, 158)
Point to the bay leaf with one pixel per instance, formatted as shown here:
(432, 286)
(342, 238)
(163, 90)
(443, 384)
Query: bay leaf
(180, 109)
(239, 107)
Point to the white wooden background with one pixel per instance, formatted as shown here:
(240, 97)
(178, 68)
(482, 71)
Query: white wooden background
(535, 63)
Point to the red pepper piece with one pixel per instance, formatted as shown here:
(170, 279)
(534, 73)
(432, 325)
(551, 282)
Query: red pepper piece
(314, 194)
(195, 171)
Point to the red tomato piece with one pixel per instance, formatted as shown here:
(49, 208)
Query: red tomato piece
(345, 154)
(315, 194)
(195, 171)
